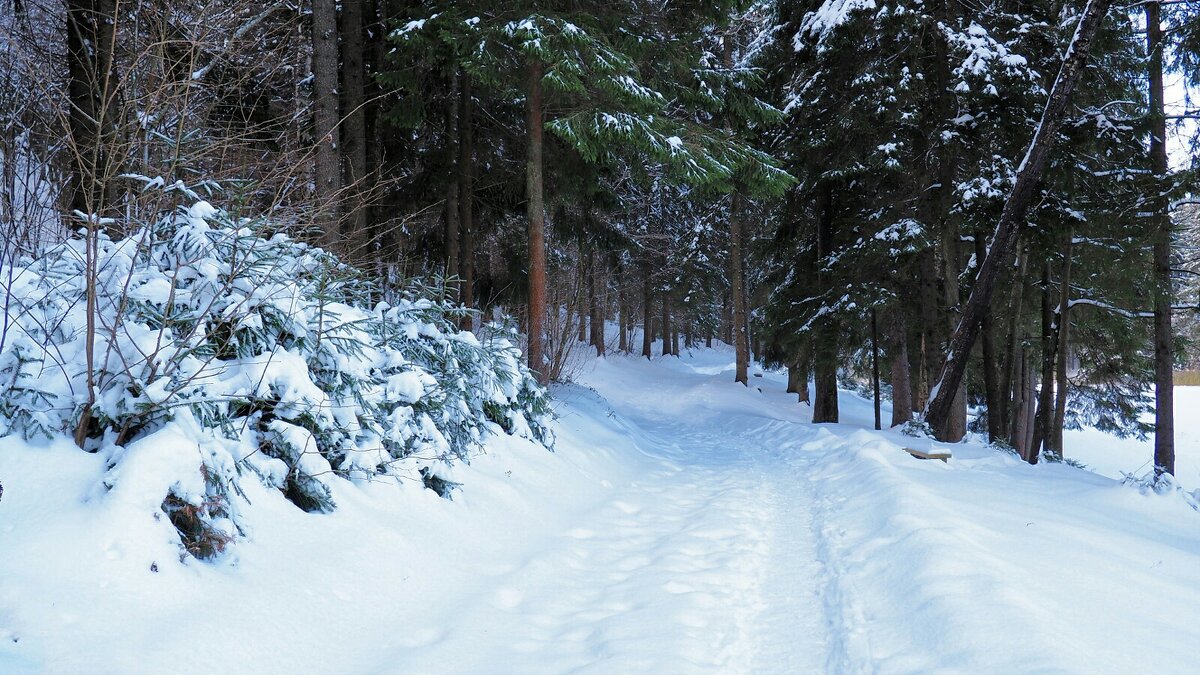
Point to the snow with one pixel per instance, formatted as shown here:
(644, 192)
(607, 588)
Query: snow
(683, 524)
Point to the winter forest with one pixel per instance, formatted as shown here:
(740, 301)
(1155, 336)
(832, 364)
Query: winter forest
(413, 336)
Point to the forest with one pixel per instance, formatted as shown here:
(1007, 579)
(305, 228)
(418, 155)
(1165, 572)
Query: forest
(294, 252)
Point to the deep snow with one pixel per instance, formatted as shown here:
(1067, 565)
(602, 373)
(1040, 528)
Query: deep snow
(684, 524)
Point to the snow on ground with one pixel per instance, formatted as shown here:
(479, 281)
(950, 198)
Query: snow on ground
(684, 524)
(1111, 456)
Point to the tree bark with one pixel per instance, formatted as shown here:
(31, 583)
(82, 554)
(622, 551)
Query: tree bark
(597, 306)
(466, 197)
(902, 407)
(328, 174)
(1164, 349)
(647, 314)
(991, 385)
(536, 214)
(942, 400)
(91, 90)
(354, 131)
(666, 324)
(1045, 400)
(1064, 330)
(825, 347)
(875, 367)
(451, 213)
(737, 281)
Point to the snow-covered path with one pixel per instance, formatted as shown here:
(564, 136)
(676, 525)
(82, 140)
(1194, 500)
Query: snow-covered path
(703, 561)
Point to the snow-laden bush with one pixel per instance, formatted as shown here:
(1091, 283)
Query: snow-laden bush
(264, 350)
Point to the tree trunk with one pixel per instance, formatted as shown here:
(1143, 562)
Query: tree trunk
(328, 173)
(942, 401)
(92, 89)
(1009, 387)
(623, 301)
(647, 314)
(875, 368)
(1164, 351)
(741, 344)
(452, 211)
(825, 338)
(991, 385)
(955, 425)
(597, 306)
(805, 366)
(466, 197)
(666, 324)
(585, 286)
(537, 222)
(1045, 399)
(1020, 419)
(354, 131)
(902, 407)
(1064, 329)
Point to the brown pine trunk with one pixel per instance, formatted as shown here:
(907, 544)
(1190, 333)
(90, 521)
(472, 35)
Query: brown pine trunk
(536, 213)
(1064, 330)
(354, 131)
(91, 36)
(1045, 399)
(1164, 349)
(585, 285)
(741, 344)
(597, 304)
(991, 385)
(825, 347)
(805, 368)
(666, 325)
(942, 405)
(466, 198)
(1010, 382)
(626, 323)
(328, 173)
(452, 213)
(647, 314)
(902, 407)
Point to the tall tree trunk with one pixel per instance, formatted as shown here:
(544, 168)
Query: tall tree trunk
(536, 212)
(585, 286)
(955, 425)
(1064, 330)
(354, 130)
(942, 404)
(825, 347)
(737, 280)
(595, 280)
(452, 213)
(625, 318)
(902, 406)
(1009, 387)
(597, 320)
(875, 367)
(466, 196)
(666, 324)
(1045, 400)
(91, 35)
(1020, 419)
(647, 313)
(805, 367)
(991, 385)
(328, 173)
(1164, 349)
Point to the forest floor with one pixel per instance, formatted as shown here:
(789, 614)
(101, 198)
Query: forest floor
(683, 524)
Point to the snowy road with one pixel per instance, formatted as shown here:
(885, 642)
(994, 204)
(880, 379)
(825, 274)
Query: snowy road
(703, 561)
